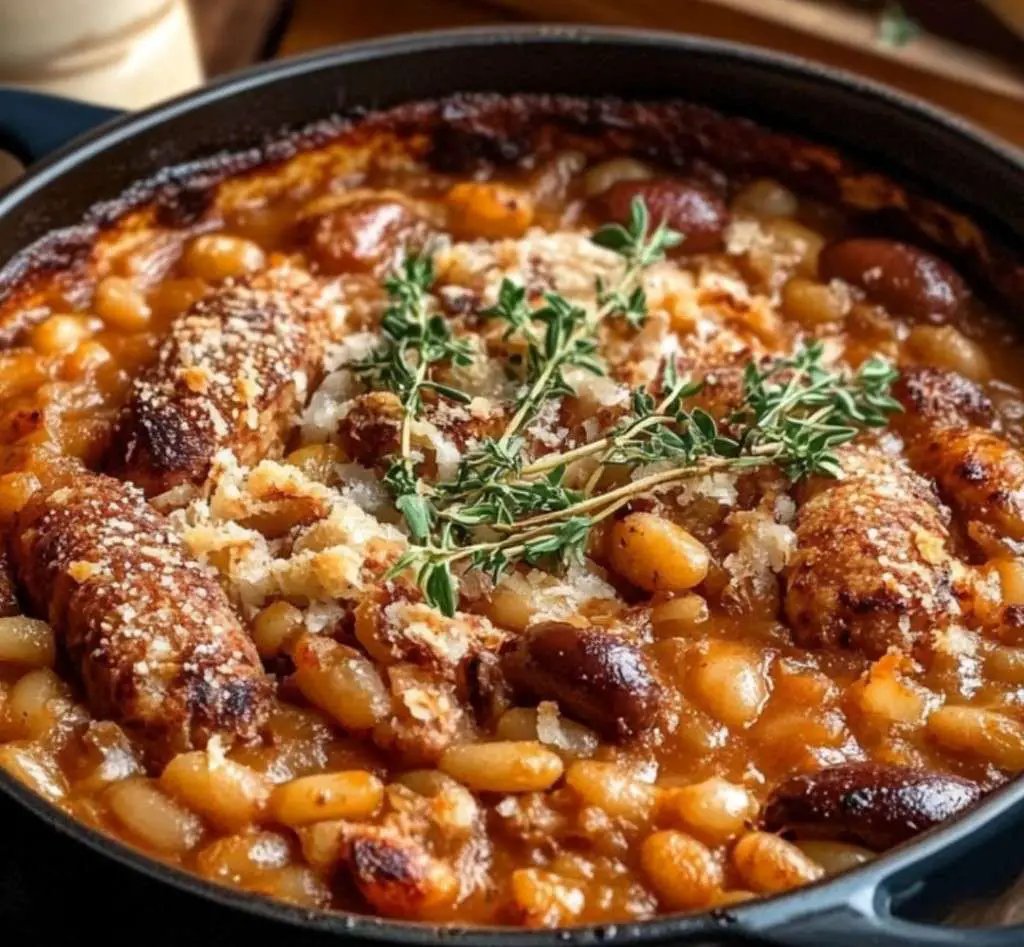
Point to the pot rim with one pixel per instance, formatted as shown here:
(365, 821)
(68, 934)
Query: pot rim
(124, 127)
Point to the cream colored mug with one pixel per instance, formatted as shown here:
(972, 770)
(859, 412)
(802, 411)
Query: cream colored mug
(124, 53)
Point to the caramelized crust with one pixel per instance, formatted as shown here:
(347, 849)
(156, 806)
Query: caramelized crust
(8, 597)
(947, 426)
(152, 634)
(230, 374)
(978, 472)
(873, 568)
(935, 397)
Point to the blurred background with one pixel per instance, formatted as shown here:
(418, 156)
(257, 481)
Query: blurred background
(967, 55)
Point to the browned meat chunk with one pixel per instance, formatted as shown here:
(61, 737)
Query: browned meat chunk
(152, 634)
(350, 233)
(8, 597)
(371, 429)
(948, 435)
(688, 207)
(873, 566)
(871, 803)
(396, 875)
(230, 374)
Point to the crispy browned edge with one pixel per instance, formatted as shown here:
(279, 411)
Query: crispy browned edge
(461, 130)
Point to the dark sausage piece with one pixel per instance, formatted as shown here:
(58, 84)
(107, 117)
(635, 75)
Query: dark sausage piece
(686, 206)
(361, 236)
(904, 279)
(871, 803)
(596, 677)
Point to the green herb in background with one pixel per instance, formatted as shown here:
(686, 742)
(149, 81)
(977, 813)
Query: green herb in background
(896, 27)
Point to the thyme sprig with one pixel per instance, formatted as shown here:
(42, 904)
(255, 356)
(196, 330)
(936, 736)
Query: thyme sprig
(558, 335)
(569, 336)
(415, 339)
(794, 413)
(499, 509)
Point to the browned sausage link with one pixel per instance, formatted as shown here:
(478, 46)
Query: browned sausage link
(906, 280)
(228, 375)
(596, 677)
(978, 472)
(152, 634)
(946, 424)
(686, 206)
(937, 397)
(873, 566)
(871, 803)
(362, 234)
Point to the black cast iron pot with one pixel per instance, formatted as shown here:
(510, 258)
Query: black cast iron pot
(936, 152)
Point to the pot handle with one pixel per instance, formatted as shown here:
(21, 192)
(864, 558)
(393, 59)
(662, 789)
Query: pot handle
(982, 849)
(33, 124)
(847, 927)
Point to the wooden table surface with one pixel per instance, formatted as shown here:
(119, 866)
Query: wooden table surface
(317, 23)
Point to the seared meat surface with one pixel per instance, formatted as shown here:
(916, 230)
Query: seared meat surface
(230, 374)
(873, 567)
(150, 631)
(950, 439)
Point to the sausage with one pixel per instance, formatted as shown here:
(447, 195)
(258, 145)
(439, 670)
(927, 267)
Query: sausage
(359, 234)
(687, 207)
(371, 429)
(978, 472)
(151, 632)
(904, 279)
(875, 804)
(596, 677)
(937, 397)
(230, 375)
(947, 426)
(873, 566)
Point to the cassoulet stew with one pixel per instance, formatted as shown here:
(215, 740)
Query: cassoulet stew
(531, 524)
